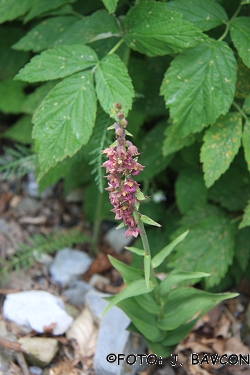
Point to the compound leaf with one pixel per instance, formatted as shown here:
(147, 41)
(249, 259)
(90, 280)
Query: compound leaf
(246, 142)
(65, 119)
(113, 84)
(199, 86)
(204, 14)
(173, 142)
(240, 34)
(11, 9)
(40, 6)
(57, 63)
(221, 144)
(153, 30)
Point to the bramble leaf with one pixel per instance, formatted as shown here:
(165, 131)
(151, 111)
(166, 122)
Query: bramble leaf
(34, 99)
(246, 142)
(40, 6)
(110, 5)
(190, 189)
(57, 63)
(11, 96)
(204, 14)
(199, 86)
(240, 34)
(20, 131)
(198, 254)
(153, 30)
(221, 144)
(10, 9)
(113, 84)
(45, 34)
(99, 25)
(246, 217)
(65, 119)
(173, 142)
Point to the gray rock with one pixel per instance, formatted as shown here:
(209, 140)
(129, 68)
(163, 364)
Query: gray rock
(75, 196)
(76, 292)
(40, 350)
(27, 205)
(68, 264)
(34, 370)
(98, 281)
(112, 337)
(35, 310)
(4, 365)
(32, 189)
(117, 239)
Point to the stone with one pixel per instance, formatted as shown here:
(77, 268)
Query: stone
(40, 350)
(37, 310)
(99, 281)
(75, 196)
(112, 337)
(117, 240)
(27, 205)
(4, 365)
(76, 292)
(34, 370)
(68, 264)
(31, 187)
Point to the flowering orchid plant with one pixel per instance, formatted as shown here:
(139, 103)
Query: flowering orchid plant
(160, 310)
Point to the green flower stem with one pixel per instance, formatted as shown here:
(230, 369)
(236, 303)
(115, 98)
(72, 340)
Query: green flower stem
(146, 247)
(228, 23)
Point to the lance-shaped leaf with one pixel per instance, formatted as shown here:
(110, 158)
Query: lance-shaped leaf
(128, 273)
(204, 14)
(177, 276)
(10, 9)
(147, 220)
(57, 63)
(113, 84)
(199, 86)
(153, 30)
(45, 34)
(162, 255)
(221, 144)
(246, 142)
(135, 250)
(65, 119)
(240, 34)
(136, 288)
(246, 217)
(110, 5)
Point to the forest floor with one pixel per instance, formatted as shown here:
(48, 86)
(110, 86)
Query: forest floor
(222, 331)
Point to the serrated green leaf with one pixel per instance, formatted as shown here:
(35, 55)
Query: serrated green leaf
(65, 119)
(209, 247)
(173, 142)
(246, 142)
(100, 25)
(33, 100)
(136, 288)
(113, 84)
(57, 63)
(40, 6)
(245, 222)
(184, 303)
(10, 9)
(151, 148)
(240, 34)
(242, 247)
(147, 220)
(177, 276)
(199, 86)
(20, 131)
(204, 14)
(135, 250)
(45, 34)
(232, 190)
(190, 189)
(221, 144)
(162, 255)
(153, 30)
(11, 96)
(246, 105)
(110, 5)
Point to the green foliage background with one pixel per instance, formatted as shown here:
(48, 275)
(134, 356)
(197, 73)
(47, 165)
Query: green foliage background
(181, 70)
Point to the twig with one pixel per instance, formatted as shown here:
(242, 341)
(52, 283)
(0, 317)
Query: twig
(12, 345)
(22, 363)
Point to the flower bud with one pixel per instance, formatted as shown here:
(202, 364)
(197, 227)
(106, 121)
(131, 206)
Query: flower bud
(124, 123)
(120, 132)
(118, 105)
(120, 115)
